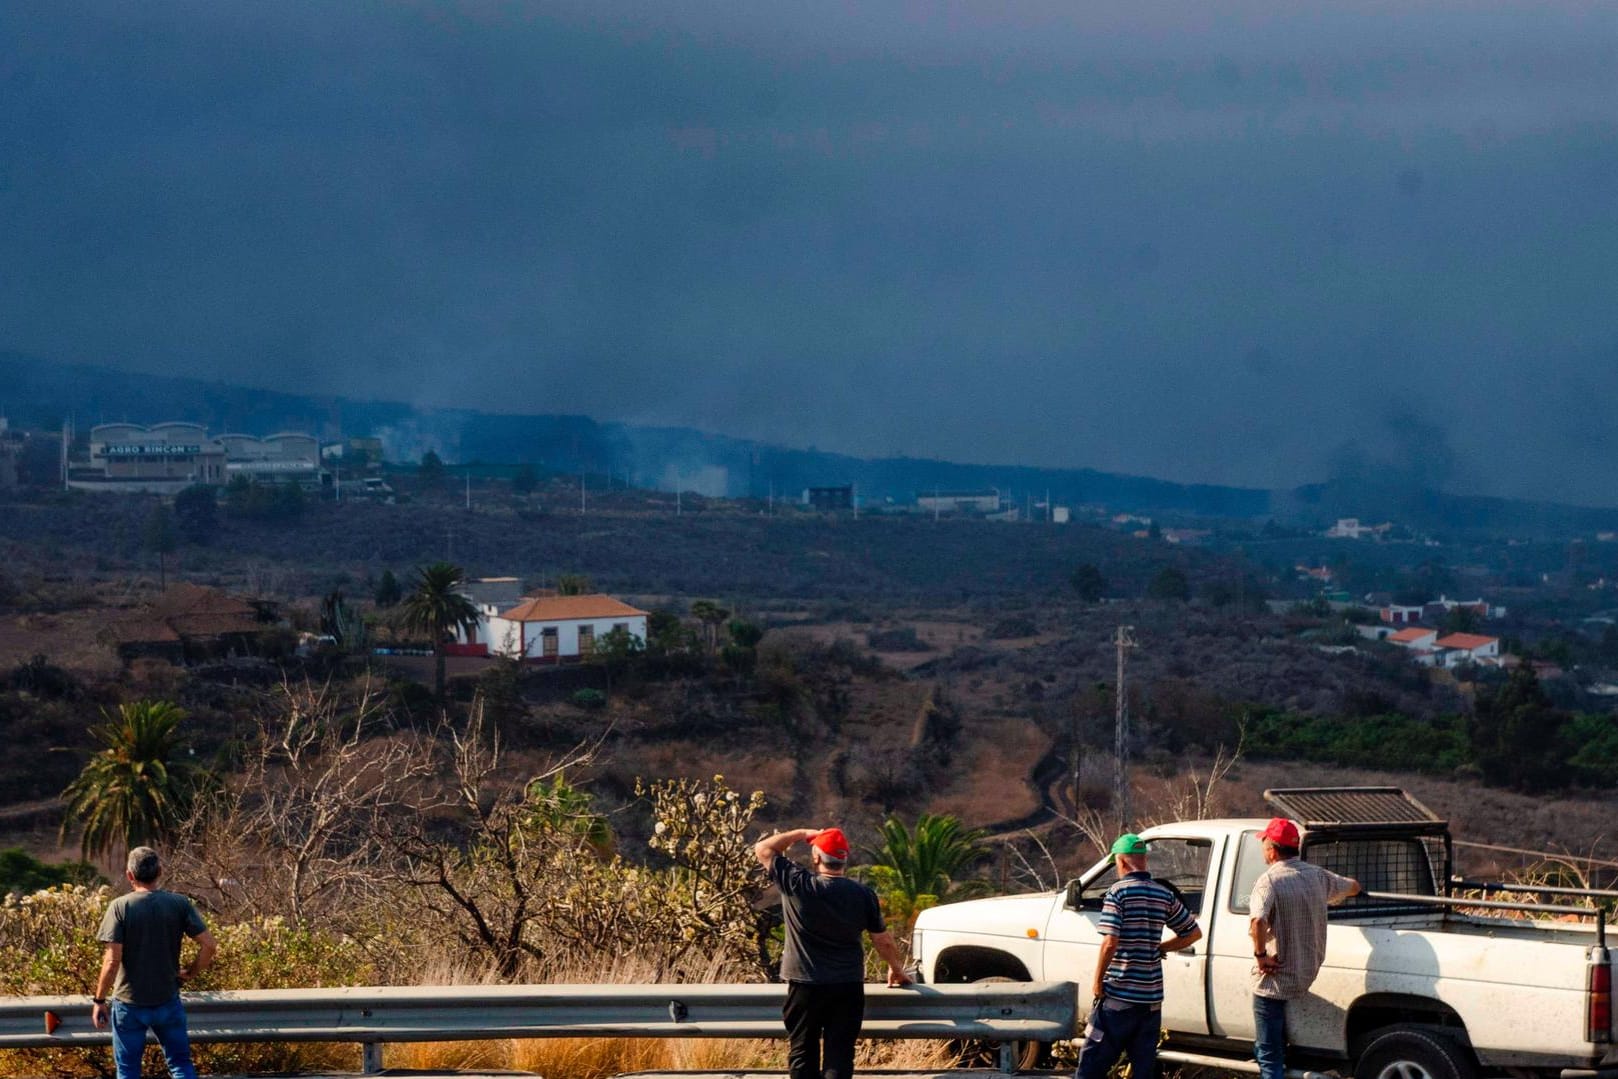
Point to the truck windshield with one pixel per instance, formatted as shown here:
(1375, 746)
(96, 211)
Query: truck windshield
(1182, 864)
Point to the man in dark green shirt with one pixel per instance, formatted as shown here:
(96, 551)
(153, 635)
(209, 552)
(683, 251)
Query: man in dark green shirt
(140, 968)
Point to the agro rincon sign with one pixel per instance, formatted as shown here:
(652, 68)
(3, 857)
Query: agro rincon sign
(158, 449)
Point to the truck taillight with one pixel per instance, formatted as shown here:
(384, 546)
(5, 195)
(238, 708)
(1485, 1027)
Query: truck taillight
(1598, 1023)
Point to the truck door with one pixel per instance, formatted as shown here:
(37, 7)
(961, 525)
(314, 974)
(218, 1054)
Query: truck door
(1072, 941)
(1231, 948)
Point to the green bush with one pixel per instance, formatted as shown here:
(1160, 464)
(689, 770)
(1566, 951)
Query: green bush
(589, 699)
(1380, 741)
(23, 874)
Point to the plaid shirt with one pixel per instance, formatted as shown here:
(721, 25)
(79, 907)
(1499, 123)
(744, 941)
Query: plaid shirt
(1292, 897)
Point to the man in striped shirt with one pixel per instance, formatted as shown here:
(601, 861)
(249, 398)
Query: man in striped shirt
(1128, 1011)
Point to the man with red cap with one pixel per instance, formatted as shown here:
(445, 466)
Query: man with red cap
(1287, 911)
(826, 915)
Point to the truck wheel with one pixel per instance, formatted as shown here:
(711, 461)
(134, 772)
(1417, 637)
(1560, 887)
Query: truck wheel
(1412, 1053)
(1024, 1055)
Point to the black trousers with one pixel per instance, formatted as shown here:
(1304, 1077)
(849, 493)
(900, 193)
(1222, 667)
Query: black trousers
(823, 1015)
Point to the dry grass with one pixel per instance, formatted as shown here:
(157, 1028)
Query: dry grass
(744, 769)
(598, 1058)
(989, 771)
(70, 638)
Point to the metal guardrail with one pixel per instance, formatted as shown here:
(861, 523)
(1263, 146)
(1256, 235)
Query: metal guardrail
(996, 1011)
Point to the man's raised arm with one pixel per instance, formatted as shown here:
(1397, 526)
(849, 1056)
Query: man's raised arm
(767, 848)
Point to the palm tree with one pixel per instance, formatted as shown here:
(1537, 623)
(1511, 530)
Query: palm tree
(573, 584)
(913, 870)
(137, 787)
(435, 607)
(710, 614)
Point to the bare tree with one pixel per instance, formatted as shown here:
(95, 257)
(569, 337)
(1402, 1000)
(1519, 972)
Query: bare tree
(494, 885)
(293, 832)
(1195, 795)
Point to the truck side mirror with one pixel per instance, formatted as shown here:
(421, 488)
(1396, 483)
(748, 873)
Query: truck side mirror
(1074, 889)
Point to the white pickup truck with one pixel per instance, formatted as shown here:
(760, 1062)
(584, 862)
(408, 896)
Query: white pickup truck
(1420, 981)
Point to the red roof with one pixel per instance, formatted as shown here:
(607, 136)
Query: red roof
(1466, 641)
(570, 609)
(1414, 633)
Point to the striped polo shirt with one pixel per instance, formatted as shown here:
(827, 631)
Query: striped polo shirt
(1135, 911)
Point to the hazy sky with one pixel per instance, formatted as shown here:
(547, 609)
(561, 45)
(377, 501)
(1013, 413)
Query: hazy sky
(1243, 242)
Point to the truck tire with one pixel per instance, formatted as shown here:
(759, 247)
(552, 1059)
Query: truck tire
(1413, 1053)
(1025, 1055)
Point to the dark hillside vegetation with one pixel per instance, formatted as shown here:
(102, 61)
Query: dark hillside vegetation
(724, 550)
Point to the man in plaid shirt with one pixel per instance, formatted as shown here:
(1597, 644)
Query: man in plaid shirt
(1288, 910)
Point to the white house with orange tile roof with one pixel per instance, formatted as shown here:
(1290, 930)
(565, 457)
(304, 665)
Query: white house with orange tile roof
(1468, 648)
(559, 629)
(1415, 638)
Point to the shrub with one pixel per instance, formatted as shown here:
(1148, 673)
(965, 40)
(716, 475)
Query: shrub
(23, 874)
(589, 699)
(898, 639)
(1016, 626)
(44, 679)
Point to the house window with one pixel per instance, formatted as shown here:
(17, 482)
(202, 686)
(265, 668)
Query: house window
(616, 626)
(548, 639)
(587, 640)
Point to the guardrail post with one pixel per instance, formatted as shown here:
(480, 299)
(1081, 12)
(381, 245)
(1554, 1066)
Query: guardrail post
(371, 1058)
(1008, 1057)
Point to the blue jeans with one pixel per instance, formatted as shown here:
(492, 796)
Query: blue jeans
(1116, 1031)
(129, 1025)
(1270, 1037)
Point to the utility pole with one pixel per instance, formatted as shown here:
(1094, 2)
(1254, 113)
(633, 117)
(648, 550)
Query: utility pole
(1123, 640)
(1075, 755)
(468, 487)
(67, 446)
(581, 494)
(679, 488)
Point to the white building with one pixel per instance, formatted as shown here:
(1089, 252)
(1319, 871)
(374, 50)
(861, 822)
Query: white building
(490, 595)
(985, 501)
(556, 629)
(1351, 528)
(1415, 638)
(166, 458)
(1469, 648)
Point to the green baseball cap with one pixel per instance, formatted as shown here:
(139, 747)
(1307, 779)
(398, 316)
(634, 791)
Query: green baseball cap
(1129, 843)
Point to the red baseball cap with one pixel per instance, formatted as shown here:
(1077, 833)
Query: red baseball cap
(832, 843)
(1282, 831)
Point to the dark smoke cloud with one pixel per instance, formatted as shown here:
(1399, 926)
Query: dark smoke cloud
(1212, 244)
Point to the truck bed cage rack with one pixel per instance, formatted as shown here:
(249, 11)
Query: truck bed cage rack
(1356, 810)
(1598, 913)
